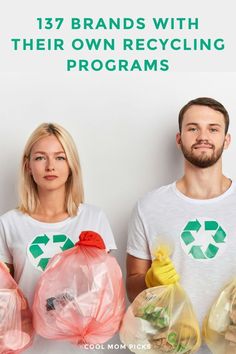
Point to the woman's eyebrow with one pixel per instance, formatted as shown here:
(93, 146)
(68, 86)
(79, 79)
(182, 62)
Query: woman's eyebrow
(39, 152)
(59, 152)
(44, 152)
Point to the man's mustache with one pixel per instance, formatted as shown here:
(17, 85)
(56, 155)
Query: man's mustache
(203, 142)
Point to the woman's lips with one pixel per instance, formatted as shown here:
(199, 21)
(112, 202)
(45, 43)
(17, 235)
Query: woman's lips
(50, 178)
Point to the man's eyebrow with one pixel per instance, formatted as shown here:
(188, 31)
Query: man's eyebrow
(215, 124)
(191, 124)
(211, 124)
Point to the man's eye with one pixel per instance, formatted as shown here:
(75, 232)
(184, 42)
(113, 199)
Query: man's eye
(213, 130)
(192, 129)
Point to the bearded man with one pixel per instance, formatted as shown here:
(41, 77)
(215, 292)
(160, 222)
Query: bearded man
(195, 216)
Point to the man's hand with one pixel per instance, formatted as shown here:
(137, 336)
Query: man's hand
(161, 273)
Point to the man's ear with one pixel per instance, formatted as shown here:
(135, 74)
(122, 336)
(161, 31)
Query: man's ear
(227, 141)
(178, 139)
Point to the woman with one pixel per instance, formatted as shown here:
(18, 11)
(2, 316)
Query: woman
(50, 216)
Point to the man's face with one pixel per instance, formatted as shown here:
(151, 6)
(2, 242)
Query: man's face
(202, 139)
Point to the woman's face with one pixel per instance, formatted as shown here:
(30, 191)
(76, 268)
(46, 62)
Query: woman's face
(48, 164)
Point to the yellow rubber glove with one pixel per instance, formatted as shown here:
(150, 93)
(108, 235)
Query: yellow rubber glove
(162, 270)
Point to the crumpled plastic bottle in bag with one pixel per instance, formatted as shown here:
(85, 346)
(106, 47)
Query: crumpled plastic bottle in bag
(80, 296)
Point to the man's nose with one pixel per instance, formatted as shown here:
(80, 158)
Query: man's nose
(202, 135)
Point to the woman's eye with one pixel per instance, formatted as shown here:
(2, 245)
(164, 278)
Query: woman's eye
(39, 158)
(61, 158)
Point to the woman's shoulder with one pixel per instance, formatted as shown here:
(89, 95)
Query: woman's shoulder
(89, 209)
(11, 214)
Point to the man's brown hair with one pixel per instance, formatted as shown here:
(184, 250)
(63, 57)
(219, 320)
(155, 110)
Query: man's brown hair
(205, 101)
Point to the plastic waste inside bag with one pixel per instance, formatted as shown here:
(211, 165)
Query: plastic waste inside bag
(16, 329)
(80, 296)
(219, 327)
(160, 320)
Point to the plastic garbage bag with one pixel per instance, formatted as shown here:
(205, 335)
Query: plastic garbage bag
(16, 329)
(80, 296)
(160, 320)
(219, 327)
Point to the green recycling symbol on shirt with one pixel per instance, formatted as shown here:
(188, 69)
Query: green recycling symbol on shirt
(203, 238)
(45, 246)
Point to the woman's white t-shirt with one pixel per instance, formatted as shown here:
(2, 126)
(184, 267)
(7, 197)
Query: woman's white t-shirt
(28, 244)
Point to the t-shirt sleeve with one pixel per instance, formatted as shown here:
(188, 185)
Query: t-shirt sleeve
(137, 245)
(5, 255)
(106, 232)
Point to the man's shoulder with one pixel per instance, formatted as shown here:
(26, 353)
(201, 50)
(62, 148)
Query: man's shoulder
(233, 187)
(158, 195)
(231, 192)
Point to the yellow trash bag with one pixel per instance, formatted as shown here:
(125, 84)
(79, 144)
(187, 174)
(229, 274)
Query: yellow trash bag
(219, 327)
(161, 319)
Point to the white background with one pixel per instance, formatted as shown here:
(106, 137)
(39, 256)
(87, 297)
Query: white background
(124, 124)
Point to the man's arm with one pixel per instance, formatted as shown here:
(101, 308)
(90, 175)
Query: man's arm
(136, 271)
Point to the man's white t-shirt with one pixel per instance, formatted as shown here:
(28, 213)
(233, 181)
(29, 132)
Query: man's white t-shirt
(201, 234)
(28, 244)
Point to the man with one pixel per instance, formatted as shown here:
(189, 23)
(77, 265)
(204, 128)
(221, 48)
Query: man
(194, 216)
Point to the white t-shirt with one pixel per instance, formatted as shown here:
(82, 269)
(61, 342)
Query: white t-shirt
(28, 244)
(201, 234)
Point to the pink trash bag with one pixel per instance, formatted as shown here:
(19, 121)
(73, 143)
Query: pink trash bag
(80, 296)
(16, 329)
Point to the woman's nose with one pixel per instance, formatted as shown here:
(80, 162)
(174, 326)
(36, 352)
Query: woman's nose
(50, 165)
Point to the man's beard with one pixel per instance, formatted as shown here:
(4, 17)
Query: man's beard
(203, 160)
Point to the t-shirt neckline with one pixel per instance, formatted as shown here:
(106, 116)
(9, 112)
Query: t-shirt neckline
(50, 225)
(203, 201)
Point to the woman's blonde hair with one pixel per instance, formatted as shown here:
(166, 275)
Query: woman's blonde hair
(74, 186)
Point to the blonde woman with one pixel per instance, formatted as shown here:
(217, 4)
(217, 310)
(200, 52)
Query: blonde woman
(50, 216)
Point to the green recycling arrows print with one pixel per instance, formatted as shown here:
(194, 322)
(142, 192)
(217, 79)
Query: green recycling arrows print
(203, 238)
(44, 246)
